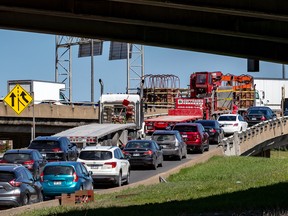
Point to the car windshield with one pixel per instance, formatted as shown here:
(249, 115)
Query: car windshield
(163, 137)
(6, 176)
(185, 128)
(16, 157)
(44, 144)
(95, 155)
(58, 170)
(258, 112)
(138, 145)
(227, 118)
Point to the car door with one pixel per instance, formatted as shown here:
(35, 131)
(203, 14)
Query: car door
(243, 123)
(181, 142)
(40, 160)
(124, 162)
(30, 185)
(87, 180)
(158, 151)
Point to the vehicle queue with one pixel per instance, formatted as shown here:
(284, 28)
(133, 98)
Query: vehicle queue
(52, 165)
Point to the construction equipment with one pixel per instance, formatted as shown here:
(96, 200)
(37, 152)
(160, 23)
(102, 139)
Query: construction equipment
(211, 94)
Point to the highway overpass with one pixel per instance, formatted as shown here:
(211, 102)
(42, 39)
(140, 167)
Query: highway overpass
(255, 29)
(258, 139)
(49, 119)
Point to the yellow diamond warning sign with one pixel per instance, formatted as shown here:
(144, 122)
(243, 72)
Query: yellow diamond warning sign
(18, 99)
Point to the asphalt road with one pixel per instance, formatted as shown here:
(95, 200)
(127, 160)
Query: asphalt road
(139, 174)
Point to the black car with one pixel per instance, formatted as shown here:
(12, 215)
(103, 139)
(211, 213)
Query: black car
(214, 129)
(144, 153)
(55, 148)
(30, 158)
(18, 187)
(257, 114)
(171, 143)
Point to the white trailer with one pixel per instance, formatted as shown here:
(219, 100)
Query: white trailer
(269, 92)
(42, 91)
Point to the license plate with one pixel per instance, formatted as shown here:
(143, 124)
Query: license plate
(43, 155)
(95, 167)
(136, 154)
(253, 118)
(57, 182)
(163, 146)
(184, 136)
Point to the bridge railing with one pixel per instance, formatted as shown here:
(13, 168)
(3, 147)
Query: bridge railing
(265, 135)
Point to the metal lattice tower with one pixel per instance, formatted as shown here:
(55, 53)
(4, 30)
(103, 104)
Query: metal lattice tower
(63, 63)
(135, 68)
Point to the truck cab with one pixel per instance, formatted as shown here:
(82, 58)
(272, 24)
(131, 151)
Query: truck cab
(120, 109)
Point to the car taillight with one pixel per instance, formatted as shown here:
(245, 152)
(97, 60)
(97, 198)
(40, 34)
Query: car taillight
(235, 125)
(212, 130)
(198, 138)
(177, 143)
(75, 177)
(29, 164)
(112, 164)
(149, 152)
(263, 118)
(42, 177)
(3, 161)
(125, 153)
(14, 183)
(56, 149)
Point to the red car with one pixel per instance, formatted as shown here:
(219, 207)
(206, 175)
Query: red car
(194, 135)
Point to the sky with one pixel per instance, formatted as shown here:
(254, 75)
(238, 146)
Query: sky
(31, 56)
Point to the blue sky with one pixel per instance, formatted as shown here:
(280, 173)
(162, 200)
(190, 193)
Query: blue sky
(26, 55)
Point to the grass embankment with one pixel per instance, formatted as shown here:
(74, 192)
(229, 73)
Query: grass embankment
(223, 185)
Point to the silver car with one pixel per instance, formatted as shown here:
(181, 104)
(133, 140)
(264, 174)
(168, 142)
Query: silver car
(171, 142)
(18, 187)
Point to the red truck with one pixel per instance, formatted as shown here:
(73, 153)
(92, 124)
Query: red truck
(211, 94)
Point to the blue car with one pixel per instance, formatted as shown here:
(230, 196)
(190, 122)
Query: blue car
(65, 177)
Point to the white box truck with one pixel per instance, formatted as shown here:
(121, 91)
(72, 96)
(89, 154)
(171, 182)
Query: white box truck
(43, 91)
(270, 92)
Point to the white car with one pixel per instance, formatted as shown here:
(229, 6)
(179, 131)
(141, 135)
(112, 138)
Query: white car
(231, 123)
(107, 163)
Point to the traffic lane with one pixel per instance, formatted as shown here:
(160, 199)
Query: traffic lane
(139, 174)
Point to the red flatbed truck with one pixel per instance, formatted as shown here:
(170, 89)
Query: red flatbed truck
(211, 94)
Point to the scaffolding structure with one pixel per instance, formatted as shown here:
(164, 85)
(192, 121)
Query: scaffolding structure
(161, 90)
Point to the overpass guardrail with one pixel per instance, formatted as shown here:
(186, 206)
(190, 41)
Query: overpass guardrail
(258, 138)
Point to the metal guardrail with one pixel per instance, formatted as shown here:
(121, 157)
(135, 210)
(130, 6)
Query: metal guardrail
(263, 136)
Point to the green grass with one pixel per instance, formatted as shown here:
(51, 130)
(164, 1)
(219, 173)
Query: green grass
(223, 184)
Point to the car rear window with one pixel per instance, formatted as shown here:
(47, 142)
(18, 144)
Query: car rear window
(227, 118)
(6, 176)
(207, 123)
(16, 157)
(138, 145)
(163, 137)
(185, 128)
(261, 112)
(95, 155)
(45, 144)
(58, 170)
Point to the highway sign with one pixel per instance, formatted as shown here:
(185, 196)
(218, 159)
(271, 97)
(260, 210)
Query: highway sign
(18, 99)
